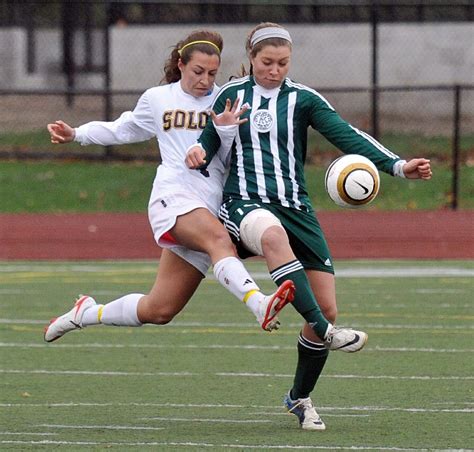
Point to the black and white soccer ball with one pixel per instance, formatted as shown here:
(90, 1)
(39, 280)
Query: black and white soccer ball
(352, 181)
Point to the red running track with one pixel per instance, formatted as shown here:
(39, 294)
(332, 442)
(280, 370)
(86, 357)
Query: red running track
(351, 235)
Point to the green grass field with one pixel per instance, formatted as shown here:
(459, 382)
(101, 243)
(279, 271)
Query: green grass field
(55, 186)
(212, 380)
(125, 187)
(407, 144)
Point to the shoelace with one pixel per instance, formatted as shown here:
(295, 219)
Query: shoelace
(306, 403)
(310, 412)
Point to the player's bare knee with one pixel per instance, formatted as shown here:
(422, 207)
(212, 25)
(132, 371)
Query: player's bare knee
(220, 240)
(275, 240)
(215, 241)
(330, 313)
(163, 316)
(157, 310)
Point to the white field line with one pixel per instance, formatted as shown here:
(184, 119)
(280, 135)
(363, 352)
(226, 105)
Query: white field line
(211, 421)
(226, 374)
(27, 434)
(200, 445)
(99, 373)
(359, 304)
(367, 377)
(349, 272)
(440, 291)
(220, 347)
(278, 408)
(101, 427)
(13, 291)
(179, 324)
(325, 414)
(118, 293)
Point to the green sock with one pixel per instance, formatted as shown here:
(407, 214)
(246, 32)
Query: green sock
(311, 360)
(305, 302)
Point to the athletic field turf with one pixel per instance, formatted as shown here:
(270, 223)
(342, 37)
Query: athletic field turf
(211, 380)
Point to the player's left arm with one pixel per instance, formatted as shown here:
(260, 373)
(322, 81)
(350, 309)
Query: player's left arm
(351, 140)
(417, 168)
(199, 155)
(218, 134)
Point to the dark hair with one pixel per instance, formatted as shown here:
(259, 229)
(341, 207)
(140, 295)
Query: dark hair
(172, 72)
(252, 51)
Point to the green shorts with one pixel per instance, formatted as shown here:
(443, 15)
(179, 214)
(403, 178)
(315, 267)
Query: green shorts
(304, 232)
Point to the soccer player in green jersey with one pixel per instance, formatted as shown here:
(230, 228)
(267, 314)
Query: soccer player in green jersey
(266, 207)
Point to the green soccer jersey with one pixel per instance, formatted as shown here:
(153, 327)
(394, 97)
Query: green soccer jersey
(269, 150)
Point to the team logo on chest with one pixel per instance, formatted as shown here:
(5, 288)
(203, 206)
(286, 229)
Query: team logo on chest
(262, 120)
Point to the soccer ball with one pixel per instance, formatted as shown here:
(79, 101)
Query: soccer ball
(352, 181)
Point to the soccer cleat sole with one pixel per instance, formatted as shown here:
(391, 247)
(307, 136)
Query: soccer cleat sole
(284, 295)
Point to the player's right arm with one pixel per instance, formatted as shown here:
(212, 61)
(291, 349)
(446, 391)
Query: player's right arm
(61, 132)
(131, 127)
(218, 133)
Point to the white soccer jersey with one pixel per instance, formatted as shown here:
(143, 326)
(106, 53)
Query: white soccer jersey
(176, 119)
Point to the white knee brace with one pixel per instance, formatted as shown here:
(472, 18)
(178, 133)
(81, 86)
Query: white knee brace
(253, 226)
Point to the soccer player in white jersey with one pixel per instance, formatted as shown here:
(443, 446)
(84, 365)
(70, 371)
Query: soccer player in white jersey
(266, 206)
(183, 203)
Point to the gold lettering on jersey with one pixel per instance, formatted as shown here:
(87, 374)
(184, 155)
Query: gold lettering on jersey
(167, 120)
(181, 119)
(192, 124)
(203, 117)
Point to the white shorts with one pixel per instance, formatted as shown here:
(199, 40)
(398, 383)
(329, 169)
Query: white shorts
(163, 211)
(200, 261)
(177, 192)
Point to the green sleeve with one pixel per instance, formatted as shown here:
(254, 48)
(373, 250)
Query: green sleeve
(209, 138)
(347, 138)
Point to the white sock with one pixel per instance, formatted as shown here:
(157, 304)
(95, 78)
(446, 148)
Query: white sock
(231, 273)
(253, 302)
(120, 312)
(91, 315)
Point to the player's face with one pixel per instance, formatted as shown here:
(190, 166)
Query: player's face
(199, 74)
(271, 66)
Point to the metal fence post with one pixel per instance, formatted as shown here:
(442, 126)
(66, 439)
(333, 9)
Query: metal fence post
(107, 75)
(456, 151)
(69, 15)
(374, 87)
(30, 42)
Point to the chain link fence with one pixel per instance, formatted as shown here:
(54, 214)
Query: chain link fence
(403, 71)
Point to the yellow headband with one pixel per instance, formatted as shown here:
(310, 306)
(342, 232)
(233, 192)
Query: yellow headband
(180, 51)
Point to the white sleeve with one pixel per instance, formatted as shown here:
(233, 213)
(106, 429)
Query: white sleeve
(131, 127)
(227, 135)
(398, 168)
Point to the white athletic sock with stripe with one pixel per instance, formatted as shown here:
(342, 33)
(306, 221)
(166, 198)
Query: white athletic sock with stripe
(120, 312)
(232, 274)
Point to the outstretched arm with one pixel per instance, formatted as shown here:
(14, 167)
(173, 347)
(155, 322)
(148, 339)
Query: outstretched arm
(349, 139)
(131, 127)
(418, 168)
(61, 132)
